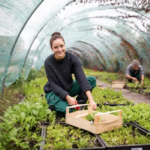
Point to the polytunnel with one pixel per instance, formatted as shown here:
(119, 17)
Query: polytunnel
(104, 34)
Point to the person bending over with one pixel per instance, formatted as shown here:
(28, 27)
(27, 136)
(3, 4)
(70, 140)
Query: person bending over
(60, 88)
(134, 72)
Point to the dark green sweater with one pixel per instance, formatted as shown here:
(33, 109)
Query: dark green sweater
(59, 75)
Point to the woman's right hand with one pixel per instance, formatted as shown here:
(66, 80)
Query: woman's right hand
(71, 100)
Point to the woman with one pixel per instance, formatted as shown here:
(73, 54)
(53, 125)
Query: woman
(60, 88)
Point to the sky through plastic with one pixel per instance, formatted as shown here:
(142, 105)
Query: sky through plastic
(104, 34)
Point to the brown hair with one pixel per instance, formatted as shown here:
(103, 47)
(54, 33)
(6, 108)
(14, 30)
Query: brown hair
(54, 36)
(135, 63)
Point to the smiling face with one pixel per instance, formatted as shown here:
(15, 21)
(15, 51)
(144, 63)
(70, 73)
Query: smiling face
(58, 47)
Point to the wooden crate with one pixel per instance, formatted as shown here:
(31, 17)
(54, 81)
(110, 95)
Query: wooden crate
(118, 84)
(110, 122)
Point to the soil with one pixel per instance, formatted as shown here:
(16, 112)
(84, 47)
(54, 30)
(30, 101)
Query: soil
(20, 97)
(5, 104)
(9, 101)
(134, 97)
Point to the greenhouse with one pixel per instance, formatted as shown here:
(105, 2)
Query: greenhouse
(75, 74)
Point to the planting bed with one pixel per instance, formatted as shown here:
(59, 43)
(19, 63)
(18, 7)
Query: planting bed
(60, 136)
(104, 76)
(21, 124)
(126, 138)
(110, 77)
(135, 123)
(137, 88)
(109, 97)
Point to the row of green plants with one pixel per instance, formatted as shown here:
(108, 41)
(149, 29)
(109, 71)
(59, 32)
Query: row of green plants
(110, 96)
(68, 137)
(110, 77)
(104, 76)
(138, 88)
(35, 87)
(20, 127)
(124, 136)
(135, 85)
(21, 124)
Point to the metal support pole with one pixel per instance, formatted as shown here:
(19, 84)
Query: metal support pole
(3, 86)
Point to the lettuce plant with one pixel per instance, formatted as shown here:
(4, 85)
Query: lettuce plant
(124, 136)
(110, 96)
(19, 121)
(68, 137)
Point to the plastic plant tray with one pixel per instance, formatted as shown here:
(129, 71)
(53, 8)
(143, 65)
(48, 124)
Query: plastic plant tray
(106, 103)
(129, 147)
(43, 134)
(141, 127)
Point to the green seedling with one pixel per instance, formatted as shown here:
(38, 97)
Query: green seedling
(124, 136)
(67, 137)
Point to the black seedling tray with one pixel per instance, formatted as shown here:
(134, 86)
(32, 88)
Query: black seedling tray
(141, 127)
(129, 147)
(118, 104)
(99, 105)
(43, 134)
(106, 103)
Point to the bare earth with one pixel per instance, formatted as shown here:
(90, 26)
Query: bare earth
(135, 97)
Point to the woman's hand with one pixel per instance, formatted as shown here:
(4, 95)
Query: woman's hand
(71, 100)
(91, 101)
(142, 83)
(94, 105)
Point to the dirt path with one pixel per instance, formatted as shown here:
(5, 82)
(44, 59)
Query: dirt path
(135, 97)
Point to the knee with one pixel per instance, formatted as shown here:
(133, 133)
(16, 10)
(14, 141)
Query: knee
(92, 81)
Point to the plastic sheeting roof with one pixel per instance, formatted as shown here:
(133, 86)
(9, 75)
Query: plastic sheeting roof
(104, 34)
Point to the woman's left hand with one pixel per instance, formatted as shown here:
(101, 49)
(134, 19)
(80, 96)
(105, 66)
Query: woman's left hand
(91, 101)
(94, 105)
(142, 83)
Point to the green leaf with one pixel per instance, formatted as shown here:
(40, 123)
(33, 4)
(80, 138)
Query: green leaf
(34, 136)
(35, 112)
(13, 132)
(24, 145)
